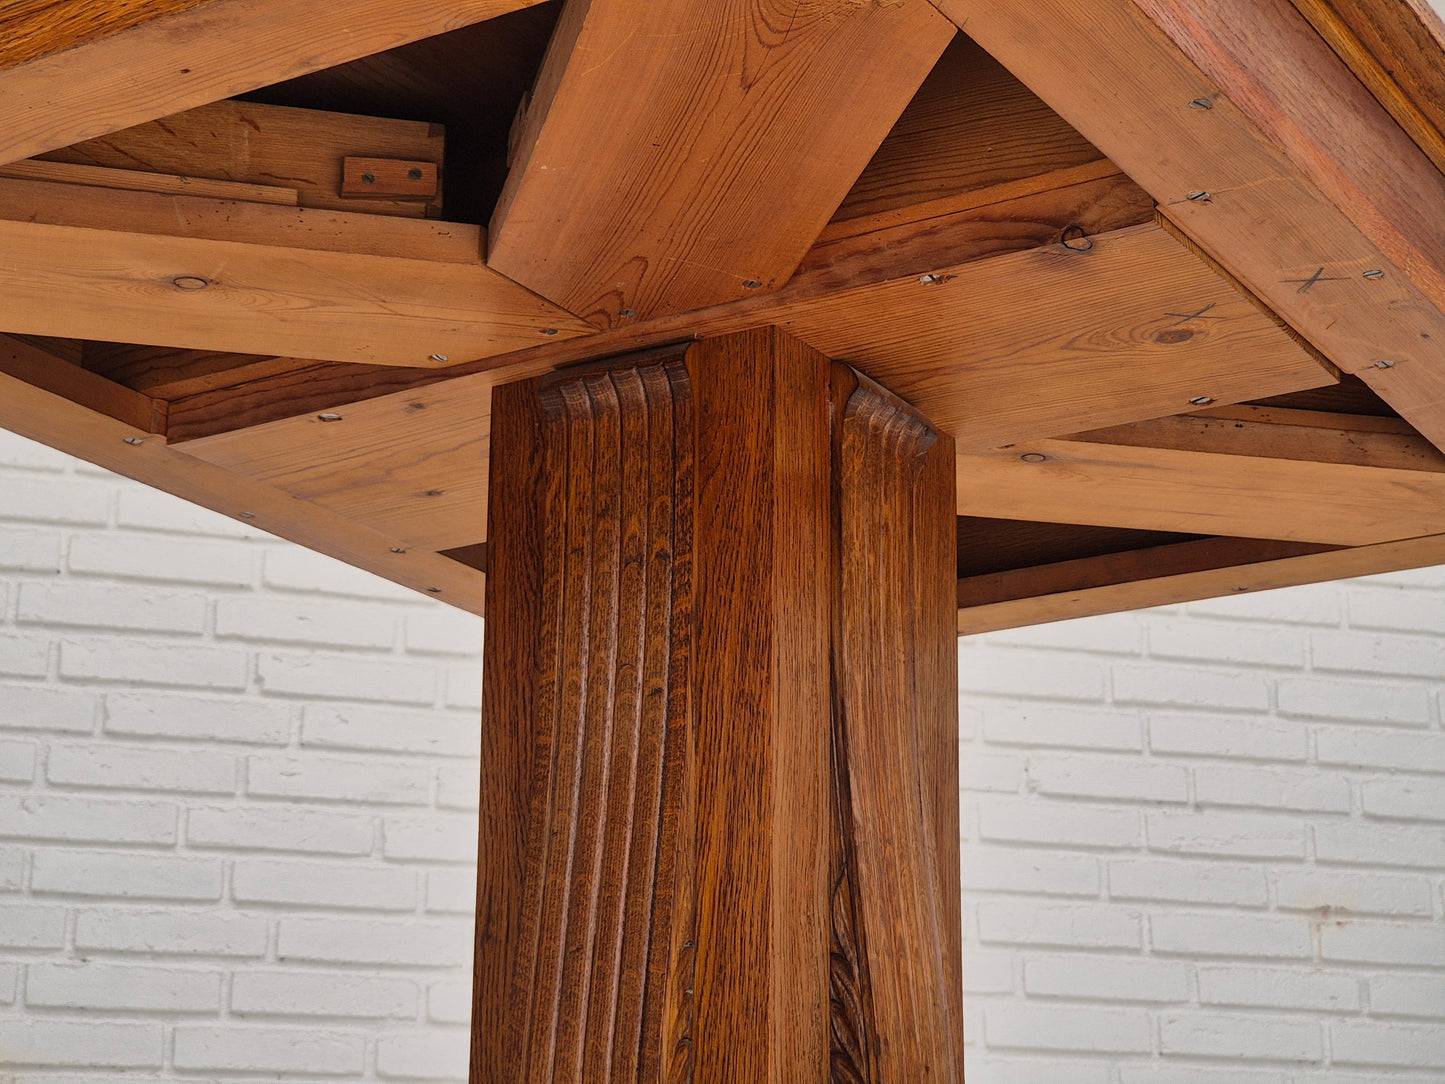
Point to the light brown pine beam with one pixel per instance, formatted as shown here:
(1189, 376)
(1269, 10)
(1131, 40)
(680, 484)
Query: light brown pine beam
(1248, 472)
(217, 275)
(75, 69)
(82, 414)
(680, 155)
(1244, 108)
(1166, 575)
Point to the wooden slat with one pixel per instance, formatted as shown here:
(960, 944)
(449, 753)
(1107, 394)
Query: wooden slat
(168, 374)
(1165, 489)
(34, 169)
(1397, 49)
(1019, 346)
(246, 223)
(304, 149)
(1099, 353)
(1304, 435)
(1161, 575)
(685, 154)
(1165, 575)
(87, 67)
(53, 417)
(1269, 219)
(1027, 344)
(262, 295)
(971, 126)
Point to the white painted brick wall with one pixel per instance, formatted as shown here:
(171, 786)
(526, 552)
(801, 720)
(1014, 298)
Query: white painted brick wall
(238, 791)
(1219, 858)
(234, 789)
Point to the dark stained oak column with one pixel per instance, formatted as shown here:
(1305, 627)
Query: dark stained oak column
(719, 827)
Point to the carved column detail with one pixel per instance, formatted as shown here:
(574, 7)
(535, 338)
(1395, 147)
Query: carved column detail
(712, 840)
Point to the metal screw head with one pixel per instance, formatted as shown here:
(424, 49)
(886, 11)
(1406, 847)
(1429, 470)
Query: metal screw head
(134, 440)
(752, 284)
(1384, 365)
(1202, 400)
(414, 173)
(190, 282)
(629, 313)
(1375, 274)
(439, 357)
(368, 178)
(435, 590)
(549, 331)
(928, 280)
(1033, 457)
(1198, 196)
(1201, 103)
(248, 515)
(328, 417)
(398, 549)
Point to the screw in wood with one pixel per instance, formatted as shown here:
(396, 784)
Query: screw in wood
(398, 549)
(328, 417)
(1034, 457)
(248, 515)
(1375, 274)
(439, 357)
(752, 284)
(1201, 103)
(414, 173)
(1198, 196)
(549, 331)
(629, 313)
(368, 178)
(435, 590)
(134, 440)
(1202, 400)
(1384, 365)
(190, 282)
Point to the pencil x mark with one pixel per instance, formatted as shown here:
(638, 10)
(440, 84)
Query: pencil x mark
(1184, 318)
(1318, 276)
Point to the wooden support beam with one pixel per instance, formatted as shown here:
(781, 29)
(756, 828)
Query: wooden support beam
(1301, 183)
(178, 271)
(724, 151)
(62, 405)
(1166, 575)
(71, 70)
(1010, 218)
(1110, 339)
(971, 127)
(702, 857)
(304, 150)
(1330, 479)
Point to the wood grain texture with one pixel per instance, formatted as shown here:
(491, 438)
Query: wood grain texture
(258, 298)
(1202, 492)
(723, 154)
(1153, 576)
(696, 844)
(971, 126)
(252, 143)
(897, 674)
(195, 54)
(1270, 220)
(1396, 48)
(764, 713)
(35, 169)
(415, 468)
(38, 400)
(30, 29)
(1027, 344)
(1010, 223)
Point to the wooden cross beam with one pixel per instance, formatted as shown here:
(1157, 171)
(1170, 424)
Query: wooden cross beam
(800, 336)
